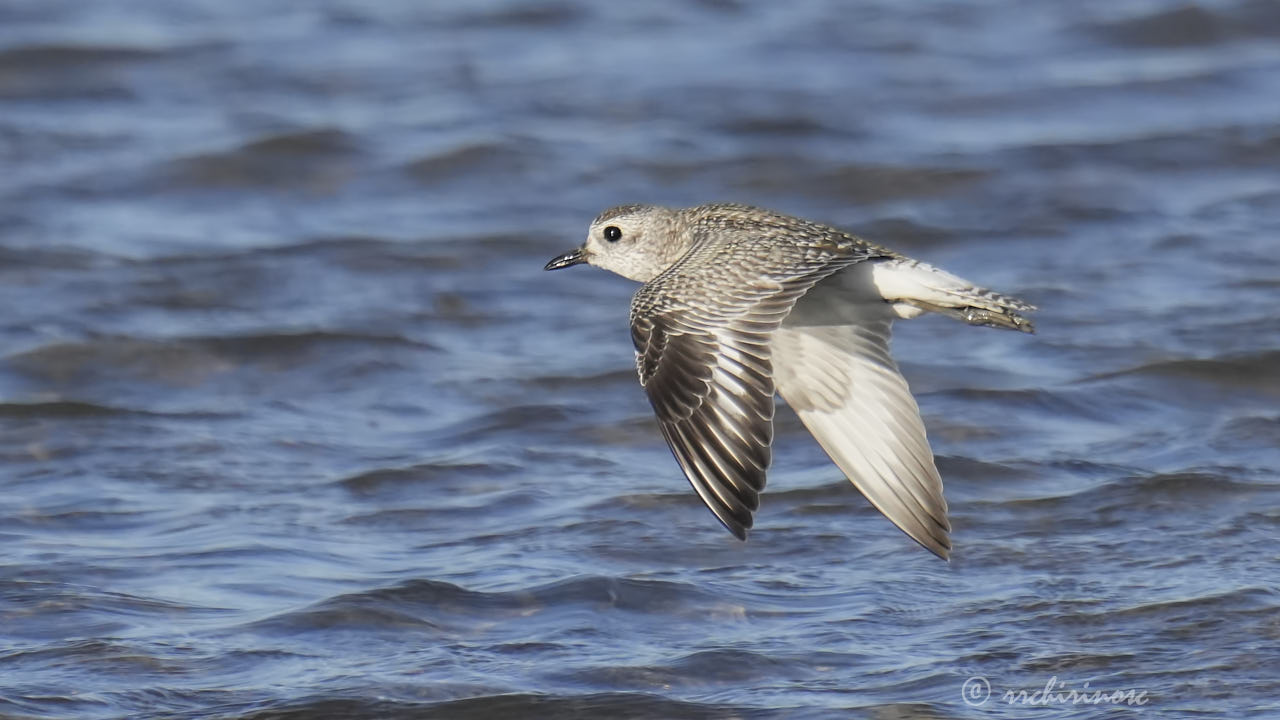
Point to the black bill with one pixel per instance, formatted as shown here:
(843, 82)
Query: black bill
(573, 257)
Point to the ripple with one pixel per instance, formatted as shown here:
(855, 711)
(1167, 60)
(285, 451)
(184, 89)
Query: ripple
(485, 158)
(187, 360)
(1143, 493)
(699, 670)
(400, 480)
(1195, 24)
(439, 606)
(1253, 600)
(62, 409)
(312, 159)
(625, 706)
(1259, 372)
(1055, 402)
(35, 58)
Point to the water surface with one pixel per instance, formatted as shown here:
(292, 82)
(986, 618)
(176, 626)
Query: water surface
(293, 424)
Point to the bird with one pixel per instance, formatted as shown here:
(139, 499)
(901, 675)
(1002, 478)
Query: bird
(739, 303)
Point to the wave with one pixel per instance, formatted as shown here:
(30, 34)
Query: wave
(621, 705)
(1143, 492)
(32, 58)
(1056, 402)
(1193, 25)
(481, 158)
(71, 409)
(382, 480)
(1257, 371)
(154, 356)
(443, 606)
(316, 159)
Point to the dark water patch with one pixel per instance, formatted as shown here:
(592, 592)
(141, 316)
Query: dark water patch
(532, 249)
(534, 16)
(445, 604)
(79, 72)
(455, 308)
(773, 126)
(1048, 402)
(635, 431)
(874, 184)
(1261, 432)
(635, 503)
(79, 364)
(364, 253)
(702, 670)
(503, 160)
(93, 611)
(1194, 25)
(835, 490)
(1260, 204)
(1264, 284)
(1078, 467)
(1145, 494)
(310, 142)
(15, 261)
(302, 342)
(61, 409)
(582, 381)
(623, 706)
(186, 361)
(487, 515)
(1078, 663)
(80, 521)
(858, 183)
(538, 419)
(1194, 150)
(374, 256)
(967, 478)
(346, 617)
(34, 58)
(1214, 608)
(904, 233)
(975, 471)
(315, 160)
(398, 481)
(105, 656)
(1252, 372)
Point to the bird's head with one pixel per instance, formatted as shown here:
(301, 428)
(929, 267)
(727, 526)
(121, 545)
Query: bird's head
(637, 242)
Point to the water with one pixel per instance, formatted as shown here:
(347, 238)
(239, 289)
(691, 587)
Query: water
(294, 425)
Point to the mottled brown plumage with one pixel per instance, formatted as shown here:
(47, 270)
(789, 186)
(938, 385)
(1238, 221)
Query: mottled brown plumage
(740, 303)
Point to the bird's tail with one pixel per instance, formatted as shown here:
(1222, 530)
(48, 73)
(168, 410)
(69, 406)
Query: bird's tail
(927, 288)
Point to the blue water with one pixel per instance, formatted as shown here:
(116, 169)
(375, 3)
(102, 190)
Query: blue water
(293, 425)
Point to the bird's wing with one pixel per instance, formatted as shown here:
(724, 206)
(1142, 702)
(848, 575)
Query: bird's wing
(702, 336)
(841, 381)
(711, 384)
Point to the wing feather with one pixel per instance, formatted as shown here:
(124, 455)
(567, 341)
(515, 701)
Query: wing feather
(708, 371)
(848, 392)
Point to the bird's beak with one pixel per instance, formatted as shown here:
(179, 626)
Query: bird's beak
(573, 257)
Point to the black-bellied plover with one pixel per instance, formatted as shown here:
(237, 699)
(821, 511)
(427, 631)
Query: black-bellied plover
(740, 302)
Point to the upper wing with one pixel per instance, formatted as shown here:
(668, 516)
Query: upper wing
(702, 333)
(711, 386)
(841, 381)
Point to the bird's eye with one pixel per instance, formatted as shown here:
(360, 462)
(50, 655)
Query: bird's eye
(613, 233)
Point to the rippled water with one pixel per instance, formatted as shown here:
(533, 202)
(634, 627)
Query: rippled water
(294, 425)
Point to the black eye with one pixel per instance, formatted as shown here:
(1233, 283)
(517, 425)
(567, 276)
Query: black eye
(613, 233)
